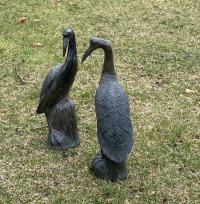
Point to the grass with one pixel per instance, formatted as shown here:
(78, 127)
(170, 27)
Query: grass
(157, 59)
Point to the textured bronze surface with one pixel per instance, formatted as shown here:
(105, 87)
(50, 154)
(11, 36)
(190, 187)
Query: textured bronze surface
(59, 110)
(114, 127)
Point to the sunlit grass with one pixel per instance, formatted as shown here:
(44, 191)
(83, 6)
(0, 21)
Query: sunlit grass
(157, 60)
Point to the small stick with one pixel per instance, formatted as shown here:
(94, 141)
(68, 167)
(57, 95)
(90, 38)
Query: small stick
(19, 76)
(40, 127)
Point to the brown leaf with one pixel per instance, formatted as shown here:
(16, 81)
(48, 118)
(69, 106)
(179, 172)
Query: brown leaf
(37, 45)
(160, 82)
(197, 137)
(22, 20)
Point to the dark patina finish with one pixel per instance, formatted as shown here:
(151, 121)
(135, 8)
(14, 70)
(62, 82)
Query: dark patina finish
(54, 102)
(114, 127)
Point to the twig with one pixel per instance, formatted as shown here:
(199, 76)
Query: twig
(20, 78)
(39, 127)
(18, 74)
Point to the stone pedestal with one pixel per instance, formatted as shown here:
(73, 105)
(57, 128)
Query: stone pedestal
(63, 131)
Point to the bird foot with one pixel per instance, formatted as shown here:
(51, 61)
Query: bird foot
(57, 140)
(106, 169)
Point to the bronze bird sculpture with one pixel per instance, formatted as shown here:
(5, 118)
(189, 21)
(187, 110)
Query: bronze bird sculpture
(114, 127)
(54, 102)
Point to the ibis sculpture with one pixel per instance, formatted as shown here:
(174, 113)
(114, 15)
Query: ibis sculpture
(54, 101)
(114, 127)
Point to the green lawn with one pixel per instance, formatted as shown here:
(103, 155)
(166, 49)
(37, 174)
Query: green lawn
(157, 58)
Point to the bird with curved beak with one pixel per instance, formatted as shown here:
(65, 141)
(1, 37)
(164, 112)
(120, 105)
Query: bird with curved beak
(96, 43)
(87, 53)
(55, 88)
(114, 127)
(59, 80)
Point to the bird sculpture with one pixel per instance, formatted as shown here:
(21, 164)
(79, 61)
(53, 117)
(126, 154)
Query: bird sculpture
(114, 127)
(54, 102)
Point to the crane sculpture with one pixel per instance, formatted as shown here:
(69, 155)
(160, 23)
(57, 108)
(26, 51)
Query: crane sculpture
(54, 102)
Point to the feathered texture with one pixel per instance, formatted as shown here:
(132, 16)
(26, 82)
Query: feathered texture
(63, 131)
(114, 128)
(59, 110)
(48, 81)
(59, 80)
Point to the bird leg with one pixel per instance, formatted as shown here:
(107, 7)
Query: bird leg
(106, 169)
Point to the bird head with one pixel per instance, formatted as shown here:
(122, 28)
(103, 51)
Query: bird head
(94, 44)
(68, 39)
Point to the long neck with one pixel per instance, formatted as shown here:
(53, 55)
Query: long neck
(108, 65)
(72, 52)
(71, 56)
(69, 69)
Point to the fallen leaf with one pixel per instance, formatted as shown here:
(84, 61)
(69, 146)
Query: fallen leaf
(22, 20)
(197, 137)
(126, 201)
(160, 76)
(190, 91)
(37, 45)
(160, 82)
(37, 20)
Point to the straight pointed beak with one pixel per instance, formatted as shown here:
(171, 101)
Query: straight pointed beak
(65, 45)
(86, 54)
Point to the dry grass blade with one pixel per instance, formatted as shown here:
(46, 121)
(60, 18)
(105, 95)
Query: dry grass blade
(22, 81)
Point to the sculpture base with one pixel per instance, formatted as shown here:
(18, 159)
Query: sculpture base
(63, 131)
(106, 169)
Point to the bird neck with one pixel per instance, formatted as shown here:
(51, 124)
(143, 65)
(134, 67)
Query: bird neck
(72, 52)
(69, 69)
(108, 65)
(71, 56)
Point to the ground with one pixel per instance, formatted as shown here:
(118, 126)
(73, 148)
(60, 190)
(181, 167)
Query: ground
(157, 60)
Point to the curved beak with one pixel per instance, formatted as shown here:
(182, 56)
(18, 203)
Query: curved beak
(87, 53)
(65, 45)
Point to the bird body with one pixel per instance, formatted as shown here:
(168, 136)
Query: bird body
(48, 95)
(59, 80)
(114, 127)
